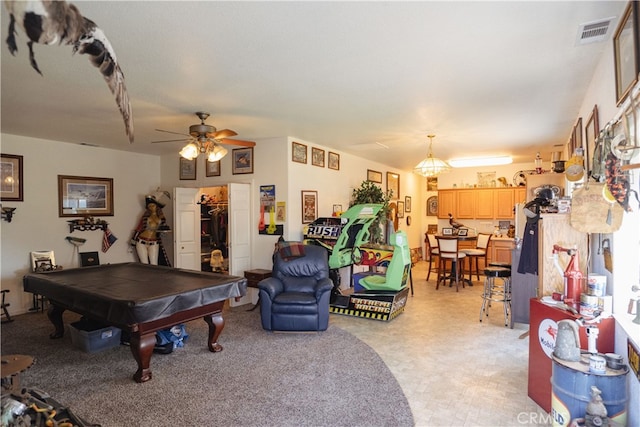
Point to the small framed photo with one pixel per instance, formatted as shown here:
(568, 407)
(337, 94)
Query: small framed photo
(447, 231)
(213, 168)
(317, 157)
(625, 51)
(400, 209)
(374, 176)
(309, 206)
(432, 206)
(337, 209)
(334, 161)
(432, 229)
(298, 152)
(187, 169)
(407, 203)
(82, 195)
(242, 160)
(11, 186)
(463, 232)
(393, 185)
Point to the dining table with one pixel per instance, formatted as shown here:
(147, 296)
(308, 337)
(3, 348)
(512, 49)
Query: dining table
(461, 238)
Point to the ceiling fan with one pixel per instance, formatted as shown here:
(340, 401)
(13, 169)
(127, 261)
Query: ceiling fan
(206, 139)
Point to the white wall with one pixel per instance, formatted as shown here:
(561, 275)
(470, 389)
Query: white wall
(36, 225)
(625, 243)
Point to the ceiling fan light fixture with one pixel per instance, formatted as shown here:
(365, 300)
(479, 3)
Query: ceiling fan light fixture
(216, 153)
(190, 151)
(431, 166)
(481, 161)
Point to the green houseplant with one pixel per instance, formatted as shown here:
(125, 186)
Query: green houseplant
(369, 192)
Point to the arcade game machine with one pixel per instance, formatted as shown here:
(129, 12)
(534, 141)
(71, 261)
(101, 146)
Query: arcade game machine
(375, 295)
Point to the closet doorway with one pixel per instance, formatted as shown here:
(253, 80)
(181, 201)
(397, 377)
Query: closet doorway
(212, 219)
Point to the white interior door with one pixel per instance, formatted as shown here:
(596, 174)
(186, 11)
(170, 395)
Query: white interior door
(240, 237)
(186, 215)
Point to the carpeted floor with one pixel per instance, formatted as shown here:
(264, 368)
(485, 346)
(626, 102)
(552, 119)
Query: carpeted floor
(259, 379)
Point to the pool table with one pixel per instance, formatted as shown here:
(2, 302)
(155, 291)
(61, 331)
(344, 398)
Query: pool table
(138, 298)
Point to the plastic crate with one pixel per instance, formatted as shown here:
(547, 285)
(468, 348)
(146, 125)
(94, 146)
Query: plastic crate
(92, 338)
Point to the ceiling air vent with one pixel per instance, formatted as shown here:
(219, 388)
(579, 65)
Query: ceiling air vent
(593, 32)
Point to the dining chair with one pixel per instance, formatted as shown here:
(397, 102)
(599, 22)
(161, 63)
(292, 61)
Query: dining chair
(449, 253)
(433, 252)
(480, 251)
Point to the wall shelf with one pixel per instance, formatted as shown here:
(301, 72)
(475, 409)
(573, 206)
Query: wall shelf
(84, 225)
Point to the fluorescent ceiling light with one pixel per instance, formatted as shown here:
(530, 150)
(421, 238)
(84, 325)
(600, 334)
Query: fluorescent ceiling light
(480, 161)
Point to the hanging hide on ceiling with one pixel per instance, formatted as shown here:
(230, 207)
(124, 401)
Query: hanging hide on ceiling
(50, 22)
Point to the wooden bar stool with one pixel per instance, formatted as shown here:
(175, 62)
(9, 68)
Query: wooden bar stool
(497, 291)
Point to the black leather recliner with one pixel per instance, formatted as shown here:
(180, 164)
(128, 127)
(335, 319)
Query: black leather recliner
(296, 296)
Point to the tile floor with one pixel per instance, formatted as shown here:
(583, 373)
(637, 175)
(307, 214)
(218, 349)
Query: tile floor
(454, 370)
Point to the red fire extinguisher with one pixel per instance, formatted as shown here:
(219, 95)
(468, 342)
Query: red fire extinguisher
(573, 277)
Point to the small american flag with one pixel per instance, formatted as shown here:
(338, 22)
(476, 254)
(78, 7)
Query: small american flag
(107, 240)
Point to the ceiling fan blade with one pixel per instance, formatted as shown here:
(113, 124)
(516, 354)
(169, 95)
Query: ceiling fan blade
(176, 133)
(169, 140)
(237, 142)
(224, 133)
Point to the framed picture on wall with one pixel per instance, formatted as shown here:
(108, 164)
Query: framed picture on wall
(591, 131)
(309, 206)
(400, 209)
(213, 168)
(11, 185)
(187, 169)
(432, 206)
(317, 157)
(577, 136)
(625, 52)
(298, 152)
(83, 195)
(242, 160)
(393, 185)
(407, 203)
(374, 176)
(334, 161)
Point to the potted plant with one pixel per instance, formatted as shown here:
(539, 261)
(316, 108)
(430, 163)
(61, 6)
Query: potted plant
(369, 192)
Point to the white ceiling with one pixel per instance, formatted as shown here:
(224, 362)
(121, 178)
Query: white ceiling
(486, 78)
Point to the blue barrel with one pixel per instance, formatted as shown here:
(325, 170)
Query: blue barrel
(571, 391)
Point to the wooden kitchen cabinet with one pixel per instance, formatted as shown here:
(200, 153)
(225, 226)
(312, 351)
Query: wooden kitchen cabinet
(501, 250)
(466, 204)
(479, 203)
(447, 203)
(485, 204)
(520, 194)
(503, 203)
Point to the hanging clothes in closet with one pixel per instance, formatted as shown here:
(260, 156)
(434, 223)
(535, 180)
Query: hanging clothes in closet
(219, 228)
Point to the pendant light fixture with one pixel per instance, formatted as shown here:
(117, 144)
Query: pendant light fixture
(431, 166)
(209, 147)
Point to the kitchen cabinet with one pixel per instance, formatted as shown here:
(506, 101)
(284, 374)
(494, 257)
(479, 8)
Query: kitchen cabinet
(500, 250)
(503, 203)
(520, 194)
(485, 204)
(479, 203)
(447, 203)
(466, 203)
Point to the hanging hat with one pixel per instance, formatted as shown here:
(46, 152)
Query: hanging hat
(152, 199)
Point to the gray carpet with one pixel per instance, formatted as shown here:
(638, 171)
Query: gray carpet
(259, 379)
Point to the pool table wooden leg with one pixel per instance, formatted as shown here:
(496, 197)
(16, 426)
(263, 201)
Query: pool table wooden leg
(216, 324)
(54, 313)
(142, 349)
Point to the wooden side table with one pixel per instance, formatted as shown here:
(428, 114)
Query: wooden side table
(254, 277)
